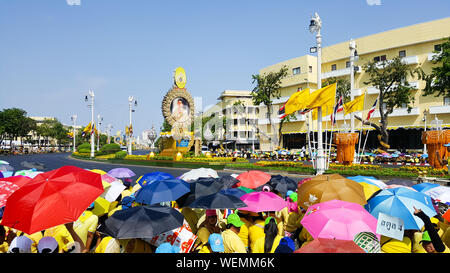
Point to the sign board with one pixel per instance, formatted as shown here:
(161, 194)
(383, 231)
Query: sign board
(183, 143)
(181, 237)
(390, 226)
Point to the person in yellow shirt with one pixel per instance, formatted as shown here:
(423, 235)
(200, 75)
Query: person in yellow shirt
(85, 226)
(431, 241)
(243, 233)
(256, 230)
(208, 227)
(270, 241)
(231, 241)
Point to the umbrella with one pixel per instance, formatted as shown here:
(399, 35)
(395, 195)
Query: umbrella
(6, 167)
(394, 186)
(253, 179)
(369, 189)
(6, 189)
(33, 174)
(329, 187)
(198, 173)
(25, 172)
(18, 180)
(400, 202)
(228, 181)
(368, 179)
(121, 173)
(206, 186)
(113, 191)
(52, 198)
(235, 192)
(33, 165)
(153, 176)
(399, 181)
(217, 201)
(322, 245)
(283, 184)
(101, 172)
(109, 179)
(440, 194)
(142, 222)
(162, 191)
(421, 187)
(263, 201)
(6, 173)
(337, 219)
(3, 162)
(247, 190)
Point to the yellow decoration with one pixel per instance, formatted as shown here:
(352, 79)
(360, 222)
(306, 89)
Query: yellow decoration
(180, 77)
(178, 157)
(152, 154)
(208, 155)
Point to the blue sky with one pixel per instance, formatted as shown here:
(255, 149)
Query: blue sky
(52, 53)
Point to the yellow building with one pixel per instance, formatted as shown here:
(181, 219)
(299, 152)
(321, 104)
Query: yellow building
(415, 44)
(241, 118)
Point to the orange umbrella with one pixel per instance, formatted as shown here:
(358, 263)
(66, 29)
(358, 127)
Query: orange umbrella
(329, 187)
(252, 179)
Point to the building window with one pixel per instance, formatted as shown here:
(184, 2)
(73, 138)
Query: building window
(380, 58)
(235, 134)
(438, 47)
(235, 121)
(404, 105)
(347, 64)
(447, 101)
(402, 53)
(310, 69)
(333, 67)
(296, 71)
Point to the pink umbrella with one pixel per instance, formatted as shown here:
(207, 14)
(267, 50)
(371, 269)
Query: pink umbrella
(108, 178)
(259, 201)
(337, 219)
(6, 189)
(393, 186)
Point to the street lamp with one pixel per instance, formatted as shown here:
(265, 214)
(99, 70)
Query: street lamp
(74, 119)
(424, 119)
(99, 122)
(131, 101)
(92, 95)
(315, 27)
(152, 137)
(108, 131)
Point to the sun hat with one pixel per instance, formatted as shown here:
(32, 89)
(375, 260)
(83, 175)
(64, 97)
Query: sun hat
(234, 220)
(47, 245)
(216, 242)
(20, 244)
(167, 248)
(211, 212)
(268, 220)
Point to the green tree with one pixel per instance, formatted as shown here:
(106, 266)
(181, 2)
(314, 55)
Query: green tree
(342, 87)
(15, 123)
(438, 81)
(390, 78)
(268, 88)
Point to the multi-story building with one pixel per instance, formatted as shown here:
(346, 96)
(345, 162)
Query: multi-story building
(415, 44)
(241, 116)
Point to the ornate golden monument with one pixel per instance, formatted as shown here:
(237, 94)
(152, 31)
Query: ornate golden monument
(178, 110)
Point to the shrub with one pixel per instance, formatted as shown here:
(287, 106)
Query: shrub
(85, 145)
(111, 148)
(120, 155)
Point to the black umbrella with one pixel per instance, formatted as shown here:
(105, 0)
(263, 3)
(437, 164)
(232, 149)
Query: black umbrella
(283, 184)
(217, 201)
(206, 186)
(399, 181)
(228, 181)
(33, 165)
(142, 222)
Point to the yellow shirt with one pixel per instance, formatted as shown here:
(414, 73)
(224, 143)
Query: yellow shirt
(293, 222)
(203, 235)
(4, 247)
(259, 245)
(232, 243)
(446, 237)
(61, 235)
(205, 249)
(108, 245)
(87, 222)
(243, 233)
(255, 231)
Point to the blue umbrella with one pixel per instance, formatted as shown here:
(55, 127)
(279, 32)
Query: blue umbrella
(233, 191)
(361, 178)
(162, 191)
(153, 176)
(400, 202)
(421, 187)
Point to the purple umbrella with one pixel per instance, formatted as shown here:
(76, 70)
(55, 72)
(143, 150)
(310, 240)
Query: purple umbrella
(121, 173)
(263, 201)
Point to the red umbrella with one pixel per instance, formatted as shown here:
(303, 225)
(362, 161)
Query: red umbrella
(19, 180)
(322, 245)
(9, 185)
(252, 179)
(52, 198)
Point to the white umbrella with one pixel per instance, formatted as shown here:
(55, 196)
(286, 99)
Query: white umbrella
(25, 172)
(440, 194)
(4, 162)
(113, 191)
(197, 173)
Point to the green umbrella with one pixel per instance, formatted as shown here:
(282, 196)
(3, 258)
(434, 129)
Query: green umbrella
(247, 190)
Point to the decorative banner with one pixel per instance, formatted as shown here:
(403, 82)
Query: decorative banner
(390, 226)
(183, 143)
(181, 237)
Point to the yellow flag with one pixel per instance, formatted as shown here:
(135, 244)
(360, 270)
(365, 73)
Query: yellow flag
(326, 110)
(87, 129)
(127, 131)
(355, 105)
(296, 102)
(322, 98)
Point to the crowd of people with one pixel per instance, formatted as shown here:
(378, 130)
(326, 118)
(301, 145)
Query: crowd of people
(217, 231)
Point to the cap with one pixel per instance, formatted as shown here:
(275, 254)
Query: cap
(234, 220)
(286, 241)
(167, 248)
(20, 244)
(268, 219)
(293, 196)
(216, 242)
(47, 245)
(425, 237)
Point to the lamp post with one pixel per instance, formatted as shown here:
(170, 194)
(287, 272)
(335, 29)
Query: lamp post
(108, 131)
(424, 119)
(131, 101)
(152, 137)
(74, 119)
(92, 95)
(315, 27)
(99, 122)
